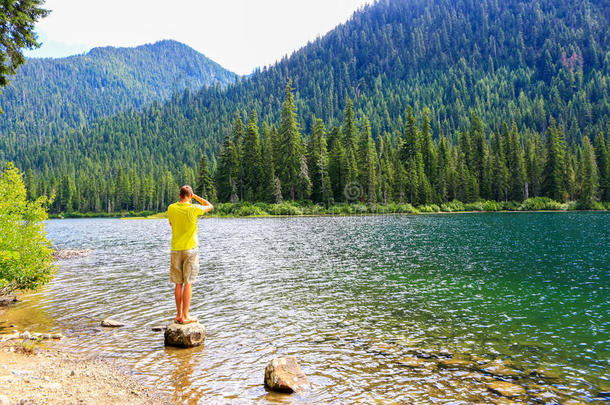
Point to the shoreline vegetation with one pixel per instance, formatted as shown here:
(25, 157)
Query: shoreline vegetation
(247, 209)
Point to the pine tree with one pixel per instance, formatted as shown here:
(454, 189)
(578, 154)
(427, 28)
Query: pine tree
(517, 166)
(589, 176)
(268, 170)
(290, 152)
(602, 159)
(367, 158)
(336, 165)
(227, 172)
(205, 186)
(318, 163)
(251, 161)
(554, 180)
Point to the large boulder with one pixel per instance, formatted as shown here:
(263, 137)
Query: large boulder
(188, 335)
(283, 374)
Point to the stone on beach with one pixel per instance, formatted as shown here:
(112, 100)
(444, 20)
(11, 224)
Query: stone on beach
(112, 323)
(184, 335)
(284, 374)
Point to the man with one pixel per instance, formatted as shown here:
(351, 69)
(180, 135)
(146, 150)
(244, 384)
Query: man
(185, 252)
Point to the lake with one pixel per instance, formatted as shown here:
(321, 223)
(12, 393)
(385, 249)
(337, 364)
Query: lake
(351, 297)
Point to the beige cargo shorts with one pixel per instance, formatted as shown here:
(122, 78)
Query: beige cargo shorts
(184, 266)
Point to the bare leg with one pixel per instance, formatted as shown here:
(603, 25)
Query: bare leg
(186, 301)
(179, 301)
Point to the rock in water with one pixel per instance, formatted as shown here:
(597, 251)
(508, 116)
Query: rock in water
(188, 335)
(112, 323)
(506, 389)
(284, 374)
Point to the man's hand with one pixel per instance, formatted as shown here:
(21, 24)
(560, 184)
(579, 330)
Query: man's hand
(206, 204)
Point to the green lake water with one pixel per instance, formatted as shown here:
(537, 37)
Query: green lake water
(350, 297)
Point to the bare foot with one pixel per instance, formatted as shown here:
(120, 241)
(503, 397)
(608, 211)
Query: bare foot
(184, 321)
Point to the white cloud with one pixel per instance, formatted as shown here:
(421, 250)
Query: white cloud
(238, 34)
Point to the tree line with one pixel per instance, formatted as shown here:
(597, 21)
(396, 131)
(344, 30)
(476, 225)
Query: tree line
(346, 164)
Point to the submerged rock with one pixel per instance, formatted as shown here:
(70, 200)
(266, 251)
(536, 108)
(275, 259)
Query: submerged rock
(455, 363)
(500, 370)
(112, 323)
(63, 254)
(412, 362)
(158, 328)
(188, 335)
(283, 374)
(506, 389)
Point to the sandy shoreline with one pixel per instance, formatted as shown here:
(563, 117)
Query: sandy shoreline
(49, 374)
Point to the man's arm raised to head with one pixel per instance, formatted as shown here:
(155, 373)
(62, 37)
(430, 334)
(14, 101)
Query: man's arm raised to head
(207, 206)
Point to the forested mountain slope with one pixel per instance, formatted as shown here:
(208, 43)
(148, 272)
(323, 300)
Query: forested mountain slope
(48, 96)
(500, 61)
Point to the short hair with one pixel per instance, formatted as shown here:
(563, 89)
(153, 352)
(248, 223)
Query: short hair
(186, 191)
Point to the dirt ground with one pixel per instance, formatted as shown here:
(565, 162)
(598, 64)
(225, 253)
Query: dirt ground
(30, 374)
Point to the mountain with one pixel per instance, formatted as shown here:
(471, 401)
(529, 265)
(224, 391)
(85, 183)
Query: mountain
(470, 65)
(49, 97)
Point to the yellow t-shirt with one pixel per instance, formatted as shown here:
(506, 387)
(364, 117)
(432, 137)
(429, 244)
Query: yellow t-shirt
(183, 217)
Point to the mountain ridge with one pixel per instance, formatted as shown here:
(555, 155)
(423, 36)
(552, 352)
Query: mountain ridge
(101, 82)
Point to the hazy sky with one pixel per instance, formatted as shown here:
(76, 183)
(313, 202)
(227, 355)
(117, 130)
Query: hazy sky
(238, 34)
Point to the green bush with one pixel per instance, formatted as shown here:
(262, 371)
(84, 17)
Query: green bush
(540, 204)
(429, 208)
(249, 211)
(452, 206)
(284, 208)
(26, 256)
(406, 209)
(474, 206)
(490, 205)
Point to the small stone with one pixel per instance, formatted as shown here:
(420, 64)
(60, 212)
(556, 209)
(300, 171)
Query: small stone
(12, 325)
(284, 374)
(56, 336)
(25, 335)
(158, 328)
(506, 389)
(112, 323)
(45, 336)
(187, 335)
(72, 373)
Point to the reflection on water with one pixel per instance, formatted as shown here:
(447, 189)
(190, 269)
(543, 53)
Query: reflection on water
(350, 297)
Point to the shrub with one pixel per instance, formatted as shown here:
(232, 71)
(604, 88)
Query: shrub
(340, 209)
(490, 205)
(249, 211)
(26, 256)
(406, 209)
(540, 203)
(429, 208)
(452, 206)
(359, 208)
(284, 208)
(475, 206)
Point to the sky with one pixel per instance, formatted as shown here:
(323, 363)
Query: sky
(239, 34)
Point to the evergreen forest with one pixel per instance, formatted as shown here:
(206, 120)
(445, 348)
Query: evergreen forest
(418, 102)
